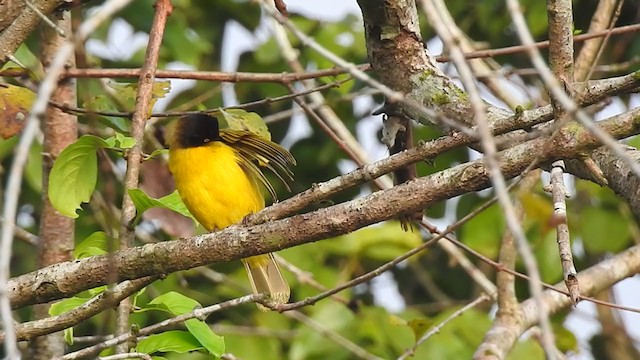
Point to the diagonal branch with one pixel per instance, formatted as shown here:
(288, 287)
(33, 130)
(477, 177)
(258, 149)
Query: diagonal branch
(237, 242)
(141, 113)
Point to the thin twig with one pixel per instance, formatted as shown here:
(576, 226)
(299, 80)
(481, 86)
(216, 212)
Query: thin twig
(130, 355)
(324, 115)
(23, 234)
(559, 193)
(332, 335)
(44, 18)
(265, 101)
(217, 76)
(241, 241)
(490, 156)
(390, 94)
(290, 77)
(144, 94)
(93, 306)
(436, 329)
(557, 91)
(603, 43)
(542, 44)
(201, 313)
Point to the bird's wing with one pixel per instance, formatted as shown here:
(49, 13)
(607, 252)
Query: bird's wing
(254, 151)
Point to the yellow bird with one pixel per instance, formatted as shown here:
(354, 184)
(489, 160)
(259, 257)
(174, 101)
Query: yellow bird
(218, 177)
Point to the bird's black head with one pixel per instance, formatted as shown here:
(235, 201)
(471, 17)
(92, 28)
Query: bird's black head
(196, 130)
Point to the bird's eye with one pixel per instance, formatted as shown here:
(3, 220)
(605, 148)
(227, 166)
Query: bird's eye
(206, 140)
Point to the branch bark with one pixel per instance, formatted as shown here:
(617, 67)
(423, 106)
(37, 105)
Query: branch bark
(18, 22)
(65, 279)
(56, 231)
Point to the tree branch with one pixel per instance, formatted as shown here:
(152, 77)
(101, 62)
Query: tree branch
(237, 242)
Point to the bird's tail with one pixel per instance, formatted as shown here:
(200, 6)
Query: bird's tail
(266, 278)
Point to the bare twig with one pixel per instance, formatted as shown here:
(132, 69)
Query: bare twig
(434, 330)
(265, 101)
(100, 302)
(602, 45)
(560, 14)
(432, 9)
(508, 307)
(559, 193)
(134, 157)
(390, 94)
(324, 115)
(201, 313)
(332, 335)
(238, 242)
(290, 77)
(543, 44)
(130, 355)
(217, 76)
(23, 234)
(44, 18)
(557, 91)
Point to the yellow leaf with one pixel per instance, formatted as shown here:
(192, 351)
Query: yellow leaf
(419, 326)
(15, 103)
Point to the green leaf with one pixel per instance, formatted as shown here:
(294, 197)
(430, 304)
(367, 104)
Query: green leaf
(603, 230)
(124, 142)
(211, 341)
(95, 291)
(310, 344)
(238, 119)
(68, 335)
(92, 245)
(156, 153)
(144, 202)
(484, 231)
(6, 146)
(74, 175)
(66, 305)
(381, 242)
(565, 340)
(33, 170)
(169, 341)
(175, 303)
(15, 103)
(179, 304)
(136, 296)
(105, 103)
(127, 92)
(419, 326)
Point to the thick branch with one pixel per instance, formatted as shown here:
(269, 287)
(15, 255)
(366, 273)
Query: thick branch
(18, 28)
(237, 242)
(619, 176)
(597, 91)
(592, 280)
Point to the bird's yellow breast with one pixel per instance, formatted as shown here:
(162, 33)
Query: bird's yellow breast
(213, 186)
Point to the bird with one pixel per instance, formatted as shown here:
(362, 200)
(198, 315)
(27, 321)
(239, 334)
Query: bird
(218, 175)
